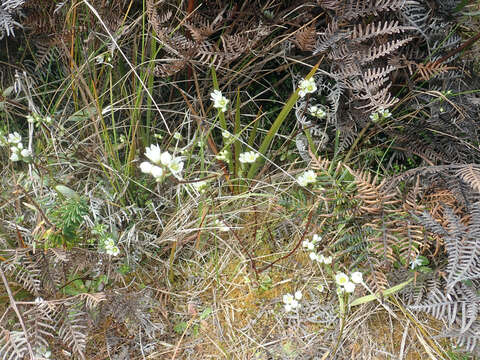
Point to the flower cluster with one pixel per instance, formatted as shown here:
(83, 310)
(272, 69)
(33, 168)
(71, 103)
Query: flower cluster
(317, 111)
(310, 246)
(220, 102)
(248, 157)
(110, 247)
(308, 177)
(292, 301)
(17, 152)
(307, 86)
(161, 163)
(223, 155)
(348, 284)
(380, 115)
(38, 120)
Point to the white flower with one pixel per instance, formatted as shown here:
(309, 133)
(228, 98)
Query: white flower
(327, 260)
(226, 134)
(349, 287)
(176, 166)
(146, 167)
(316, 238)
(14, 156)
(341, 279)
(380, 114)
(316, 111)
(26, 153)
(302, 181)
(417, 262)
(291, 301)
(307, 86)
(222, 155)
(153, 153)
(221, 225)
(320, 287)
(308, 245)
(357, 277)
(166, 158)
(157, 172)
(113, 251)
(248, 157)
(306, 178)
(14, 138)
(287, 298)
(48, 120)
(313, 256)
(177, 136)
(30, 119)
(219, 101)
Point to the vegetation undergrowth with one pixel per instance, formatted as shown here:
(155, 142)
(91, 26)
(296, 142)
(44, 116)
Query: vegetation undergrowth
(239, 180)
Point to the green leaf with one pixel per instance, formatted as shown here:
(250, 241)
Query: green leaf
(67, 192)
(275, 126)
(385, 293)
(180, 327)
(205, 313)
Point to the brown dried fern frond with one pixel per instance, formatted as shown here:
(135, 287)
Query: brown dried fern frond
(363, 32)
(306, 37)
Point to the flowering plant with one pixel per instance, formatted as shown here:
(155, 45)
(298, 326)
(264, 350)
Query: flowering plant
(161, 163)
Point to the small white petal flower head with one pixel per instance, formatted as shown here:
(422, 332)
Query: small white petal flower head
(14, 138)
(113, 251)
(219, 101)
(357, 277)
(176, 165)
(307, 86)
(316, 238)
(308, 245)
(341, 278)
(349, 287)
(14, 156)
(226, 134)
(298, 295)
(316, 111)
(26, 153)
(146, 167)
(222, 155)
(157, 172)
(287, 298)
(166, 158)
(288, 307)
(153, 154)
(313, 256)
(177, 136)
(310, 176)
(302, 180)
(248, 157)
(221, 225)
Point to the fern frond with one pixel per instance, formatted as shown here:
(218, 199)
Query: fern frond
(305, 38)
(13, 345)
(73, 329)
(471, 175)
(365, 32)
(375, 52)
(360, 8)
